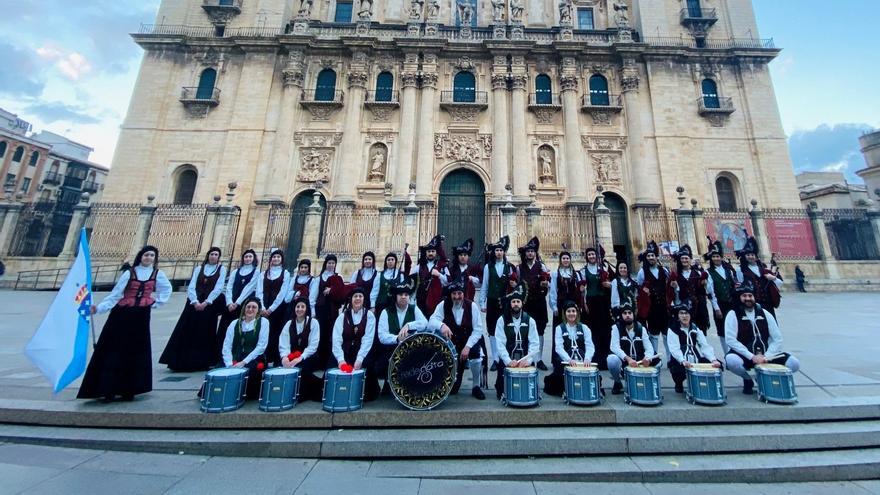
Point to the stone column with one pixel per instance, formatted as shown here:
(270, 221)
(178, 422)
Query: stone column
(210, 225)
(533, 220)
(575, 169)
(278, 183)
(522, 159)
(312, 227)
(500, 137)
(345, 181)
(224, 226)
(699, 228)
(404, 159)
(759, 229)
(77, 222)
(7, 230)
(411, 223)
(145, 221)
(642, 152)
(820, 234)
(508, 222)
(603, 229)
(684, 219)
(425, 162)
(386, 221)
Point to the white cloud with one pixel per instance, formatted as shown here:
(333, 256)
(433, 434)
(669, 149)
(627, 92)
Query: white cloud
(836, 167)
(72, 65)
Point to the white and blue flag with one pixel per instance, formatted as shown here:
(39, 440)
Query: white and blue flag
(60, 344)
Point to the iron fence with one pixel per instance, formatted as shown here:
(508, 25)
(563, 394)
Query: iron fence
(177, 230)
(850, 234)
(112, 228)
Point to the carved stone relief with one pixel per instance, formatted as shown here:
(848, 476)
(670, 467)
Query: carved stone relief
(378, 160)
(546, 165)
(315, 164)
(606, 168)
(604, 143)
(463, 147)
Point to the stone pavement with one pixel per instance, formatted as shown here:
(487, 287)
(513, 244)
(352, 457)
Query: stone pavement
(37, 470)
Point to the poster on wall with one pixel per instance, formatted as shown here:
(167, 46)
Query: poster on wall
(732, 232)
(792, 238)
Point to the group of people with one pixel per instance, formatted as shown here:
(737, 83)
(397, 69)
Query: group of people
(495, 313)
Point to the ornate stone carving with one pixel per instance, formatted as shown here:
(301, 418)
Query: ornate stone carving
(546, 164)
(386, 63)
(497, 11)
(716, 119)
(565, 14)
(606, 168)
(464, 63)
(433, 9)
(499, 81)
(621, 15)
(409, 79)
(487, 144)
(600, 117)
(305, 9)
(322, 111)
(327, 63)
(604, 143)
(544, 115)
(519, 81)
(209, 58)
(380, 137)
(293, 77)
(357, 79)
(463, 148)
(315, 164)
(465, 12)
(439, 142)
(415, 9)
(629, 75)
(381, 112)
(569, 83)
(465, 114)
(516, 11)
(429, 80)
(365, 12)
(318, 139)
(378, 160)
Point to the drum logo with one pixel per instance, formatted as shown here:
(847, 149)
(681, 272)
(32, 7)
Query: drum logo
(425, 372)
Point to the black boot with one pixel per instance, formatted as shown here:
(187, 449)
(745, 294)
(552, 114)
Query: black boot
(542, 366)
(477, 392)
(386, 389)
(679, 387)
(617, 389)
(748, 387)
(494, 366)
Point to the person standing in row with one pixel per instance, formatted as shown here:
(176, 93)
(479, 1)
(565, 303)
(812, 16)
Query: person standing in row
(429, 274)
(192, 344)
(752, 271)
(122, 362)
(391, 276)
(595, 284)
(332, 292)
(303, 285)
(463, 272)
(298, 346)
(352, 340)
(460, 317)
(536, 276)
(365, 278)
(242, 285)
(687, 284)
(563, 287)
(653, 306)
(272, 287)
(624, 289)
(720, 287)
(499, 277)
(245, 345)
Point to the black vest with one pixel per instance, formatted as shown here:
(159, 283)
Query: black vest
(299, 341)
(580, 340)
(460, 332)
(634, 348)
(688, 350)
(352, 335)
(511, 333)
(756, 338)
(239, 282)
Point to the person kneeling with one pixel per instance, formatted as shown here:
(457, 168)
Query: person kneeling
(352, 340)
(245, 343)
(630, 347)
(396, 323)
(754, 338)
(299, 348)
(573, 344)
(687, 346)
(458, 319)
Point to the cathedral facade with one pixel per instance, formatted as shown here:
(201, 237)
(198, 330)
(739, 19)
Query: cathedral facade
(455, 104)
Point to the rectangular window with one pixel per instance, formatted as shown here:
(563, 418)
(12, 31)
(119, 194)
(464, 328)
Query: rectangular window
(585, 19)
(343, 12)
(25, 184)
(10, 180)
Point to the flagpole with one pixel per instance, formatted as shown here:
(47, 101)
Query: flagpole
(92, 328)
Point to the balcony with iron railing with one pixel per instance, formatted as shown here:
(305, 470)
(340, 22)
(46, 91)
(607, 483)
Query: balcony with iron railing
(90, 186)
(604, 102)
(709, 105)
(383, 97)
(52, 178)
(704, 18)
(463, 105)
(544, 100)
(222, 7)
(200, 96)
(322, 96)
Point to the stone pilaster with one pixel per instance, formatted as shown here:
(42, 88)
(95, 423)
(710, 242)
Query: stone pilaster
(522, 161)
(409, 95)
(345, 182)
(145, 222)
(386, 225)
(425, 162)
(820, 233)
(411, 224)
(209, 226)
(874, 217)
(699, 228)
(603, 229)
(684, 219)
(642, 153)
(759, 229)
(533, 221)
(77, 222)
(500, 137)
(312, 228)
(288, 114)
(575, 169)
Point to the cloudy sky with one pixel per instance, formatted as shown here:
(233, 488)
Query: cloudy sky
(70, 68)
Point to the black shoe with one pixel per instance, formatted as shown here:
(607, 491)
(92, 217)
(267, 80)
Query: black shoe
(542, 366)
(748, 387)
(617, 389)
(128, 398)
(494, 366)
(386, 389)
(601, 391)
(679, 388)
(498, 395)
(455, 389)
(478, 394)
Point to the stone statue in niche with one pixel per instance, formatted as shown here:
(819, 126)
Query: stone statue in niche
(305, 8)
(415, 9)
(545, 158)
(365, 13)
(433, 9)
(497, 11)
(465, 12)
(516, 10)
(621, 16)
(565, 12)
(377, 164)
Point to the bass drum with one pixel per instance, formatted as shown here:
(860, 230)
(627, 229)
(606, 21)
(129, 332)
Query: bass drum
(422, 370)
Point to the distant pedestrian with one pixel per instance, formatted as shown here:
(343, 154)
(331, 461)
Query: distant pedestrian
(799, 278)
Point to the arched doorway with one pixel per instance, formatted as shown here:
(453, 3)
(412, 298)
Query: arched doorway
(297, 226)
(619, 227)
(462, 208)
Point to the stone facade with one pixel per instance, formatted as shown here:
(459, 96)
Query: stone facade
(266, 125)
(871, 174)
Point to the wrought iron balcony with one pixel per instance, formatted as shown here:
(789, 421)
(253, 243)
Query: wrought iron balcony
(223, 8)
(701, 16)
(52, 178)
(464, 97)
(90, 186)
(544, 100)
(203, 97)
(602, 102)
(715, 105)
(321, 103)
(383, 97)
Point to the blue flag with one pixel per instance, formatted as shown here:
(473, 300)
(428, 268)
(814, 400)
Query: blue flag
(60, 345)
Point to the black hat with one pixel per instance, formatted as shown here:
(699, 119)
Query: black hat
(503, 244)
(434, 243)
(682, 306)
(627, 306)
(652, 248)
(745, 288)
(715, 247)
(466, 248)
(456, 286)
(569, 304)
(534, 244)
(400, 288)
(683, 251)
(518, 292)
(751, 247)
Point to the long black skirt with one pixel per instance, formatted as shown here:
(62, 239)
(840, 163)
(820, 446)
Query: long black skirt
(277, 320)
(598, 318)
(226, 318)
(122, 361)
(193, 342)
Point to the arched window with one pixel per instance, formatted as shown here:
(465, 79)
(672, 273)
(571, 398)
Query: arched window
(599, 90)
(726, 194)
(464, 87)
(543, 90)
(54, 167)
(206, 84)
(19, 154)
(186, 187)
(710, 94)
(694, 8)
(35, 157)
(384, 86)
(325, 90)
(3, 146)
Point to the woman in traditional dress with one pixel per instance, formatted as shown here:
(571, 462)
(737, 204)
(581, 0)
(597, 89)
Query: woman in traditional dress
(272, 287)
(624, 288)
(242, 285)
(245, 343)
(299, 347)
(332, 292)
(193, 342)
(122, 363)
(352, 339)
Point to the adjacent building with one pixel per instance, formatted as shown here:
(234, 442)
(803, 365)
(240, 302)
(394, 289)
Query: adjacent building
(870, 143)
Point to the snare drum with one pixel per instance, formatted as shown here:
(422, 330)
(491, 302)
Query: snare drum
(705, 385)
(343, 392)
(582, 386)
(279, 389)
(642, 386)
(224, 390)
(521, 387)
(775, 384)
